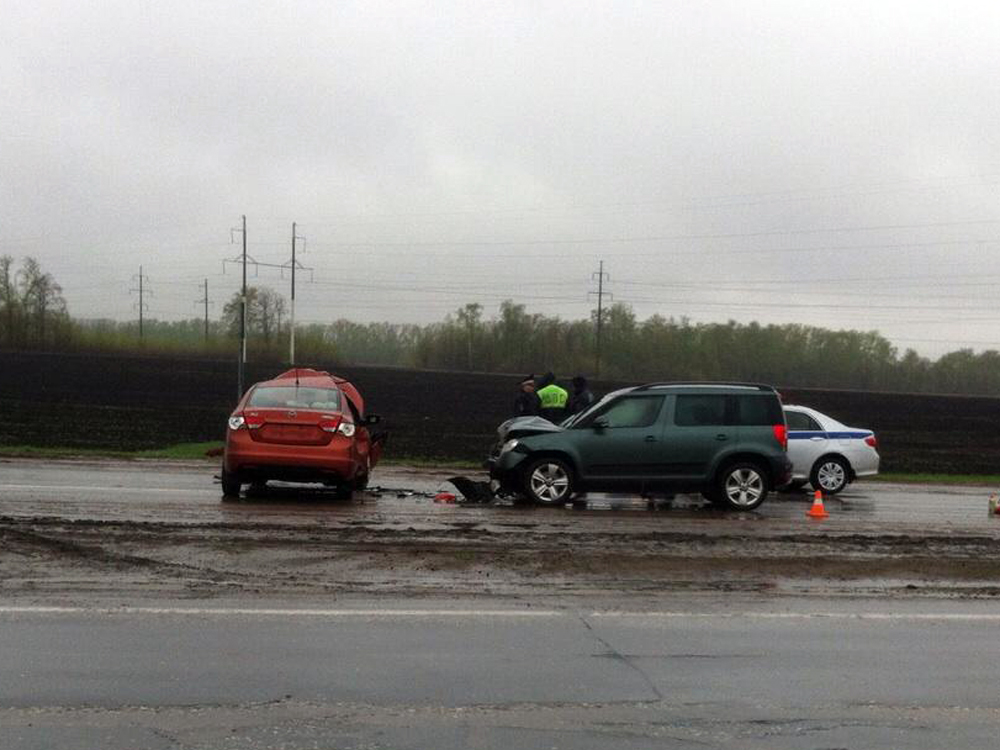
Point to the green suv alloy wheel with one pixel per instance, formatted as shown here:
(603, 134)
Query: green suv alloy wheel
(742, 486)
(549, 481)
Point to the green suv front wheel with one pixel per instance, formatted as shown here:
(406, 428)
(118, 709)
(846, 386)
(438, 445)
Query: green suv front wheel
(548, 481)
(741, 486)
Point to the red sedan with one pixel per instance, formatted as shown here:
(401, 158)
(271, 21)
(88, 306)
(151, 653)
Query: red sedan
(303, 426)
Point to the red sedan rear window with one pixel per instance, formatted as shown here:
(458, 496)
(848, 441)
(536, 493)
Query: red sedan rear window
(292, 397)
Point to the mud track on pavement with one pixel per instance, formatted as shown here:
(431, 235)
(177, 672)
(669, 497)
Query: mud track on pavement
(486, 551)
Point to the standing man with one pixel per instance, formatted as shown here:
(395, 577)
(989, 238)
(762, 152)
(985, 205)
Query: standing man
(553, 398)
(582, 396)
(527, 403)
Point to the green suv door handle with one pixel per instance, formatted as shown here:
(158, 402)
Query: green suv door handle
(722, 436)
(650, 438)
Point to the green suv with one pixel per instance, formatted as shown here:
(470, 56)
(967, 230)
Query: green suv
(725, 440)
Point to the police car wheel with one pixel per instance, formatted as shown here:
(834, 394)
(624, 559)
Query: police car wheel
(830, 475)
(549, 481)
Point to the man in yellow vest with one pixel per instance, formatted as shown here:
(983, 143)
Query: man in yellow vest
(553, 398)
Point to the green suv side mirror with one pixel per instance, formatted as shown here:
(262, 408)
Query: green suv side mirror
(601, 423)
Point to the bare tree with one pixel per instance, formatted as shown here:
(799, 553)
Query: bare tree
(8, 300)
(265, 308)
(270, 310)
(40, 298)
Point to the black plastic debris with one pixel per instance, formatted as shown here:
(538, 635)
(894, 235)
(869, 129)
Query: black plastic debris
(472, 491)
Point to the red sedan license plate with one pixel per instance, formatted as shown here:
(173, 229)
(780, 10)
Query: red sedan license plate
(283, 433)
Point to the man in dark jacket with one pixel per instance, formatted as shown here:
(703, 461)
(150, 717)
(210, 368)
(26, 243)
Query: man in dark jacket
(527, 403)
(581, 398)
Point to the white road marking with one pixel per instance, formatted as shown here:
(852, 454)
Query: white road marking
(899, 616)
(68, 488)
(255, 612)
(496, 613)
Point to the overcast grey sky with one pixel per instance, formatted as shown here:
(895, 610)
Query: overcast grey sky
(830, 163)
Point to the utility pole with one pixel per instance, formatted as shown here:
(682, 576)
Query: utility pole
(600, 277)
(205, 301)
(206, 311)
(243, 259)
(243, 309)
(142, 303)
(291, 324)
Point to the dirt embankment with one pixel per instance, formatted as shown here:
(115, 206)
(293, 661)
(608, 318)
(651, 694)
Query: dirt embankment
(130, 403)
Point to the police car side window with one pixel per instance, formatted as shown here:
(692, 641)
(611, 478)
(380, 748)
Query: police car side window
(799, 421)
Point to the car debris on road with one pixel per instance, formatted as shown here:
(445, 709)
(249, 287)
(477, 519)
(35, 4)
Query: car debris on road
(472, 491)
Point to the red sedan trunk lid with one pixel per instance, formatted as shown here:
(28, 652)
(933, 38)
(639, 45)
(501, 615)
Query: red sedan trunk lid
(291, 426)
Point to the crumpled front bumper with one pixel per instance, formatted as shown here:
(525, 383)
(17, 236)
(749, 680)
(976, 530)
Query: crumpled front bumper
(505, 469)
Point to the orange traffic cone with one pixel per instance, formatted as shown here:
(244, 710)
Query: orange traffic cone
(817, 510)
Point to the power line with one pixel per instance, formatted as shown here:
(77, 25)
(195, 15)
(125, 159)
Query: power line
(834, 191)
(663, 237)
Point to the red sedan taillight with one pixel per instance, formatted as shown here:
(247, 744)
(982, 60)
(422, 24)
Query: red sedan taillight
(329, 424)
(781, 435)
(239, 421)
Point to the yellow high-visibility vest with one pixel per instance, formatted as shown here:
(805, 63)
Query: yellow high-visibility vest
(553, 397)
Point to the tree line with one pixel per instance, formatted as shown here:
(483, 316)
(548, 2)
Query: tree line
(33, 312)
(33, 315)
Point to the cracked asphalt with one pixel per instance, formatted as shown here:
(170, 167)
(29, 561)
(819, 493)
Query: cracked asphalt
(698, 674)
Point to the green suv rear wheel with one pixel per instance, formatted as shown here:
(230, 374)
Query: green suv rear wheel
(741, 486)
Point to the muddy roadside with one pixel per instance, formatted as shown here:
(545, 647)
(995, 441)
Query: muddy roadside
(116, 532)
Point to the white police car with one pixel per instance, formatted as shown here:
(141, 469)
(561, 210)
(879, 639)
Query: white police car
(826, 453)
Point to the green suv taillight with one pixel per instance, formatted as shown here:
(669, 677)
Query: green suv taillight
(781, 435)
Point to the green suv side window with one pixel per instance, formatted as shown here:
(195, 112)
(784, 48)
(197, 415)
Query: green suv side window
(710, 409)
(629, 411)
(758, 410)
(700, 410)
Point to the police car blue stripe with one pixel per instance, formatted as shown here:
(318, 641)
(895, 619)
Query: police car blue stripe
(806, 434)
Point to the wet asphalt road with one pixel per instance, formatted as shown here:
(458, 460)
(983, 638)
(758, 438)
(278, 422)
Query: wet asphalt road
(384, 674)
(108, 490)
(106, 643)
